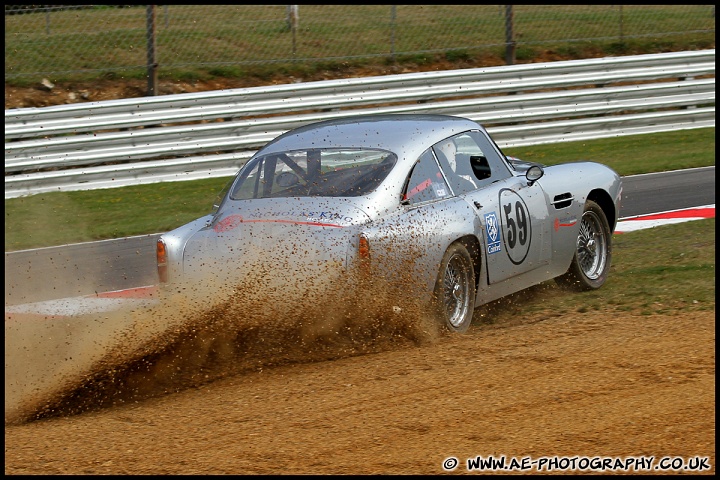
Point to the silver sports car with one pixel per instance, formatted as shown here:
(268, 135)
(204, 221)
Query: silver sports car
(429, 199)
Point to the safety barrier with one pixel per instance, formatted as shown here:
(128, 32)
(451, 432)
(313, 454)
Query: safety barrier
(210, 134)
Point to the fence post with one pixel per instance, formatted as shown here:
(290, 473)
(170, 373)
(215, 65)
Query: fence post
(509, 36)
(293, 19)
(393, 19)
(47, 21)
(152, 66)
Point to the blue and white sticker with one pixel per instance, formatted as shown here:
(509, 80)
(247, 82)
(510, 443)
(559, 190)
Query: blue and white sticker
(493, 233)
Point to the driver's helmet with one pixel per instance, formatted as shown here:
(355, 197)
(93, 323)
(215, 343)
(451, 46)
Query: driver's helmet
(448, 149)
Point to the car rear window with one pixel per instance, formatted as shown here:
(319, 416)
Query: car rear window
(335, 172)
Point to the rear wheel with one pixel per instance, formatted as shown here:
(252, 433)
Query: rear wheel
(591, 262)
(455, 289)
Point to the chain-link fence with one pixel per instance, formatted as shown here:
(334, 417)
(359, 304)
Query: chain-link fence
(64, 41)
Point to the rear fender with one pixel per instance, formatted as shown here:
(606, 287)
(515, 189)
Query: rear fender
(407, 248)
(175, 241)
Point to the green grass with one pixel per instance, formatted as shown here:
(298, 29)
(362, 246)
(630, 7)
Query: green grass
(664, 270)
(632, 154)
(59, 218)
(70, 217)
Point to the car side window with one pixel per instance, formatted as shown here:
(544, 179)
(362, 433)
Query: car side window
(485, 162)
(425, 182)
(455, 166)
(470, 161)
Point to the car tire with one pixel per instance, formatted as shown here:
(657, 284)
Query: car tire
(454, 295)
(591, 261)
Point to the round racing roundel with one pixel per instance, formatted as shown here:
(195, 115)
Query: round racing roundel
(516, 228)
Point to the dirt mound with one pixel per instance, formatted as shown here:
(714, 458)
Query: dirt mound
(44, 92)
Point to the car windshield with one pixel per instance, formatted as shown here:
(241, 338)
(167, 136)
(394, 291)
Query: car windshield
(332, 172)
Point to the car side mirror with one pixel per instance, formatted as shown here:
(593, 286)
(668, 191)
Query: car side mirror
(534, 174)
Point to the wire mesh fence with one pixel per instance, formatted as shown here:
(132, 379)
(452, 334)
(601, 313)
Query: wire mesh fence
(66, 41)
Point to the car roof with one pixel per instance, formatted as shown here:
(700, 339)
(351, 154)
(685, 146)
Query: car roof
(407, 135)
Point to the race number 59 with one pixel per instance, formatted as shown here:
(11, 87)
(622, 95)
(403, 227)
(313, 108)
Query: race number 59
(516, 221)
(517, 231)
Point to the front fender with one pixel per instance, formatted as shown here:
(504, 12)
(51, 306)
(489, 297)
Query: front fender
(568, 187)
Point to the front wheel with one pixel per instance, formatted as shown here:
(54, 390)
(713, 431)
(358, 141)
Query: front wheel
(455, 289)
(591, 262)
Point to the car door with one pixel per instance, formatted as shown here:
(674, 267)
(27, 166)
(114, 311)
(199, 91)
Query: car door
(513, 214)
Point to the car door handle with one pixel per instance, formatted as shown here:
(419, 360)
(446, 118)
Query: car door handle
(477, 204)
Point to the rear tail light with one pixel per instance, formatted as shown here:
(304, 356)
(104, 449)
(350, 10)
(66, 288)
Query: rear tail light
(364, 247)
(162, 261)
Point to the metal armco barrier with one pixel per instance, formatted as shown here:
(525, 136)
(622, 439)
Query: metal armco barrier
(211, 134)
